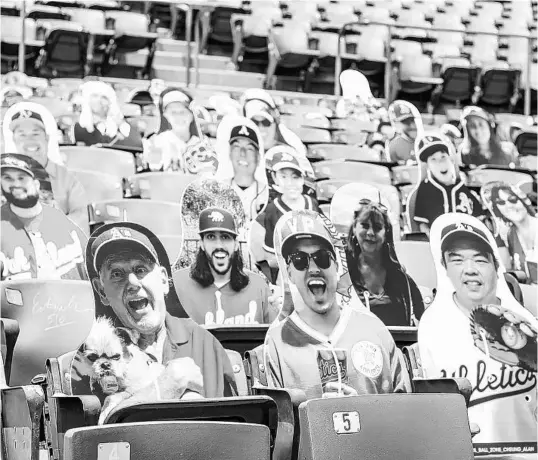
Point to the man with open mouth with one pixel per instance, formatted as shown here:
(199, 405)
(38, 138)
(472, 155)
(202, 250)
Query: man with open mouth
(216, 288)
(442, 190)
(324, 348)
(131, 276)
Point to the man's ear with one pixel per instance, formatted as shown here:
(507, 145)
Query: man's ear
(98, 286)
(288, 269)
(37, 185)
(164, 275)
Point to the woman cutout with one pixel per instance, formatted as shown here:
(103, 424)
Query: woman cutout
(481, 144)
(515, 211)
(101, 121)
(378, 277)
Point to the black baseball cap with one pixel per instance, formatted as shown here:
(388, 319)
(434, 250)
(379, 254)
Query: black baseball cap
(14, 161)
(216, 220)
(430, 144)
(25, 114)
(461, 230)
(244, 132)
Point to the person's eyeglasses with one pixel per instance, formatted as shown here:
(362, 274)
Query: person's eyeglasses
(301, 259)
(367, 201)
(511, 199)
(262, 122)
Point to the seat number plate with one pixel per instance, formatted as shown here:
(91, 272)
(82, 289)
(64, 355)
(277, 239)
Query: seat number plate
(114, 451)
(346, 422)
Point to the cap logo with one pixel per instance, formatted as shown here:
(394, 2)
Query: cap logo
(25, 114)
(243, 131)
(15, 162)
(216, 216)
(306, 223)
(463, 226)
(120, 233)
(286, 157)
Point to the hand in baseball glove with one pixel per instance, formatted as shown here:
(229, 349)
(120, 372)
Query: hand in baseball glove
(505, 336)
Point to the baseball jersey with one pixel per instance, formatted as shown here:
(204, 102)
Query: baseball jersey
(254, 198)
(503, 400)
(274, 211)
(47, 246)
(213, 305)
(360, 352)
(434, 199)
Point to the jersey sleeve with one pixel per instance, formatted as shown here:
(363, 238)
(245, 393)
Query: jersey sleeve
(272, 364)
(421, 206)
(269, 224)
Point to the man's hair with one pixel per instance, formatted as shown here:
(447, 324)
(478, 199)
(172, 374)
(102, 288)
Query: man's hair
(481, 246)
(200, 271)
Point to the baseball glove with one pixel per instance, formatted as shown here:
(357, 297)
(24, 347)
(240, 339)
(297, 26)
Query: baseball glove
(505, 336)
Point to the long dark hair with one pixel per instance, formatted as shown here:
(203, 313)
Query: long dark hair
(398, 284)
(495, 147)
(510, 192)
(165, 124)
(201, 271)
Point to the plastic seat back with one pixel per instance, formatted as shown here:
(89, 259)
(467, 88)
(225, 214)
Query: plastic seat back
(417, 259)
(526, 142)
(351, 170)
(459, 80)
(99, 186)
(64, 54)
(160, 217)
(9, 334)
(481, 176)
(419, 424)
(164, 440)
(160, 186)
(117, 163)
(54, 316)
(498, 85)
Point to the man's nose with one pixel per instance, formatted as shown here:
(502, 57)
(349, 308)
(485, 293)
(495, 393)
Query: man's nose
(312, 266)
(469, 266)
(134, 282)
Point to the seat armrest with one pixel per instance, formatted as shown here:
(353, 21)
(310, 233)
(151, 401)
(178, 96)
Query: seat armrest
(456, 385)
(287, 436)
(76, 411)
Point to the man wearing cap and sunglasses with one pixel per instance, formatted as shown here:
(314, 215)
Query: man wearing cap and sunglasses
(38, 241)
(131, 274)
(216, 288)
(323, 348)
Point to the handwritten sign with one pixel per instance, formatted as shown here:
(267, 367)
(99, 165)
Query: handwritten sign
(58, 314)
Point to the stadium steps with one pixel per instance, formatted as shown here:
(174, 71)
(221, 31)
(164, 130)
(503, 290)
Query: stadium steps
(211, 77)
(175, 59)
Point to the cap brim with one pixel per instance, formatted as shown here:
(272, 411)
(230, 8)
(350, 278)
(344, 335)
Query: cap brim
(405, 117)
(217, 229)
(16, 122)
(27, 171)
(290, 240)
(243, 137)
(105, 248)
(430, 149)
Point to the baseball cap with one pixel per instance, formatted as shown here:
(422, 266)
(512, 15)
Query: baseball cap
(175, 96)
(252, 94)
(283, 159)
(243, 131)
(430, 144)
(400, 111)
(14, 161)
(258, 108)
(475, 111)
(25, 114)
(302, 225)
(106, 243)
(216, 220)
(463, 230)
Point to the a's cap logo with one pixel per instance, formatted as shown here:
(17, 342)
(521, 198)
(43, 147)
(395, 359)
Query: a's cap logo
(286, 157)
(25, 114)
(117, 233)
(243, 130)
(216, 216)
(16, 162)
(462, 226)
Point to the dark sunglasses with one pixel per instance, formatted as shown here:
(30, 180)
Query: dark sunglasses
(367, 201)
(511, 199)
(262, 122)
(301, 259)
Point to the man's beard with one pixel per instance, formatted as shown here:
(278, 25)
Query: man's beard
(218, 270)
(26, 203)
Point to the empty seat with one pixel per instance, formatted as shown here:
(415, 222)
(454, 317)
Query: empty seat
(480, 176)
(163, 440)
(117, 163)
(526, 142)
(350, 170)
(99, 186)
(459, 81)
(348, 428)
(160, 186)
(159, 216)
(498, 85)
(417, 259)
(55, 316)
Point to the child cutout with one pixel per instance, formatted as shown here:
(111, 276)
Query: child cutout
(289, 177)
(442, 190)
(407, 123)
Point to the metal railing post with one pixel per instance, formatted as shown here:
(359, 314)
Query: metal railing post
(22, 45)
(388, 67)
(528, 65)
(188, 28)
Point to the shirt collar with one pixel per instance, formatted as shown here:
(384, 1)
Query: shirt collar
(176, 331)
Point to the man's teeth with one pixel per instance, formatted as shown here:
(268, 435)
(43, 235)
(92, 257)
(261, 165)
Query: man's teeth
(473, 283)
(317, 287)
(243, 163)
(138, 304)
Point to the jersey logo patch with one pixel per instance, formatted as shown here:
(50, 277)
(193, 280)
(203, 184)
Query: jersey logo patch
(367, 359)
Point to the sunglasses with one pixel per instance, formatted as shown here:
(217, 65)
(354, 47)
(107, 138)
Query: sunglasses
(262, 122)
(511, 199)
(367, 201)
(301, 259)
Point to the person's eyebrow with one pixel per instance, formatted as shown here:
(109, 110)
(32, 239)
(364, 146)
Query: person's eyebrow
(453, 254)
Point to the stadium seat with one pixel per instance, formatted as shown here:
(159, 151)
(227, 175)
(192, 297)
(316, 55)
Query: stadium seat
(352, 170)
(159, 186)
(239, 338)
(114, 162)
(526, 142)
(405, 174)
(530, 300)
(55, 316)
(12, 36)
(417, 259)
(140, 441)
(160, 217)
(348, 428)
(459, 79)
(173, 245)
(341, 152)
(498, 85)
(9, 333)
(99, 186)
(313, 135)
(480, 176)
(412, 355)
(328, 187)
